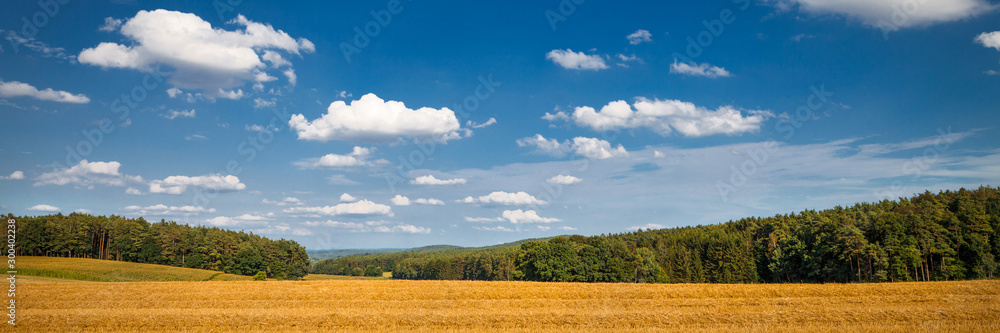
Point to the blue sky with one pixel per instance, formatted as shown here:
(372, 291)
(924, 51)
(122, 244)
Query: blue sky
(480, 123)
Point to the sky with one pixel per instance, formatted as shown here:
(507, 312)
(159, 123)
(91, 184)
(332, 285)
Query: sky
(393, 124)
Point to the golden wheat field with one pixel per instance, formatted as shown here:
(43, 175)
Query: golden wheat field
(396, 305)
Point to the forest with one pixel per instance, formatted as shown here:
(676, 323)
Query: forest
(951, 235)
(166, 242)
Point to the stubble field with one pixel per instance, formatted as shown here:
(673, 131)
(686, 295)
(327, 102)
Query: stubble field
(396, 305)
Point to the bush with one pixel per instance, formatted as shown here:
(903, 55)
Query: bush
(260, 276)
(357, 271)
(373, 270)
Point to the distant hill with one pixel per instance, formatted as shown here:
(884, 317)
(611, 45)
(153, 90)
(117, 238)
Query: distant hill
(319, 255)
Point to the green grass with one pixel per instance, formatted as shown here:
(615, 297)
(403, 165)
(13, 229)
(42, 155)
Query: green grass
(113, 271)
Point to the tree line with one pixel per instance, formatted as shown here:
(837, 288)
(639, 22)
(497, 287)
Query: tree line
(166, 242)
(950, 235)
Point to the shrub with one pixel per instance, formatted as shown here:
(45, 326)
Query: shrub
(260, 276)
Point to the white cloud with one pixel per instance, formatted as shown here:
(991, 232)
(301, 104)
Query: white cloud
(505, 198)
(87, 174)
(357, 157)
(172, 114)
(576, 60)
(371, 226)
(202, 57)
(597, 149)
(373, 119)
(133, 191)
(653, 226)
(667, 116)
(174, 92)
(16, 175)
(591, 148)
(567, 228)
(639, 36)
(259, 103)
(162, 209)
(489, 122)
(564, 180)
(428, 201)
(400, 200)
(341, 180)
(245, 219)
(20, 89)
(893, 14)
(347, 198)
(363, 207)
(110, 24)
(287, 201)
(44, 208)
(483, 219)
(194, 137)
(658, 154)
(519, 216)
(556, 116)
(431, 180)
(694, 69)
(178, 184)
(989, 39)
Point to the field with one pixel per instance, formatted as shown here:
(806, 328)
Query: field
(396, 305)
(113, 271)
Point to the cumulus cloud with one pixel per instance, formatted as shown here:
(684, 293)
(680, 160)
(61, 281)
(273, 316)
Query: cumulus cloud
(371, 226)
(44, 208)
(513, 216)
(162, 209)
(668, 116)
(172, 114)
(653, 226)
(202, 57)
(639, 36)
(287, 201)
(87, 174)
(133, 191)
(989, 39)
(362, 207)
(16, 175)
(576, 60)
(373, 119)
(356, 158)
(563, 180)
(892, 15)
(177, 185)
(400, 200)
(591, 148)
(20, 89)
(694, 69)
(245, 219)
(505, 198)
(488, 122)
(483, 219)
(431, 180)
(347, 198)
